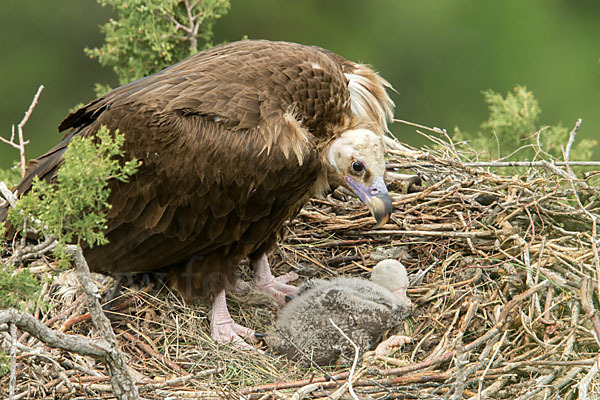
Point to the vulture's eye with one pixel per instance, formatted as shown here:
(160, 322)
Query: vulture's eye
(357, 166)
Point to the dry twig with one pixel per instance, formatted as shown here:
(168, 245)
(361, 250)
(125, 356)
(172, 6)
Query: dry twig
(20, 145)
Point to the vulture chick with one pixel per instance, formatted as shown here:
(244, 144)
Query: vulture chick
(364, 310)
(233, 142)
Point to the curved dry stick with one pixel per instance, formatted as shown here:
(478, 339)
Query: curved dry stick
(96, 348)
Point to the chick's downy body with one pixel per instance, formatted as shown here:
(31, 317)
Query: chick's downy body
(362, 309)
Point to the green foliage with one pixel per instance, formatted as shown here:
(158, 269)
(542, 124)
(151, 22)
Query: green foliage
(73, 209)
(4, 364)
(16, 287)
(149, 35)
(512, 128)
(10, 176)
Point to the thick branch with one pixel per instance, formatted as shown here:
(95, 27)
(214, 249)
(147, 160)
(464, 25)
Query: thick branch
(13, 361)
(96, 348)
(7, 194)
(105, 349)
(584, 383)
(33, 251)
(120, 377)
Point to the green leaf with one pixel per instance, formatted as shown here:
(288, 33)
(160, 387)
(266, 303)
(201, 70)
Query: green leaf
(149, 35)
(16, 287)
(73, 207)
(513, 129)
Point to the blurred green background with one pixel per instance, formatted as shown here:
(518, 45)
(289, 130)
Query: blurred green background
(438, 55)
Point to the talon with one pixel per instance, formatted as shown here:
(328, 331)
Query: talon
(275, 287)
(259, 336)
(224, 330)
(290, 276)
(288, 298)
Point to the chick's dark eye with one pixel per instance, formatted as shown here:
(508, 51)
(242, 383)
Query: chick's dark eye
(357, 166)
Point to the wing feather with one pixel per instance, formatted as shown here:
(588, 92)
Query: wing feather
(229, 141)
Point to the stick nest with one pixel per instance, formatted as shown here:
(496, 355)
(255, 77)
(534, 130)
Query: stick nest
(503, 268)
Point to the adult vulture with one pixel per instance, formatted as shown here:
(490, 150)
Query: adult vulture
(233, 142)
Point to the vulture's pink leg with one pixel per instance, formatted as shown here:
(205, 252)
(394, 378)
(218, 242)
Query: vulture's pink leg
(275, 287)
(222, 327)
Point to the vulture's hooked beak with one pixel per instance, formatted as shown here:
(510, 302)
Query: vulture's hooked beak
(375, 197)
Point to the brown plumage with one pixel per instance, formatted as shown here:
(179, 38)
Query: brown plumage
(233, 140)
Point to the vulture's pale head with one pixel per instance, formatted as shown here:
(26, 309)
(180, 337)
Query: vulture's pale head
(356, 160)
(392, 275)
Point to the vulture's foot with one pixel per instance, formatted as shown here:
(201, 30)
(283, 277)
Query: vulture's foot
(223, 329)
(387, 345)
(275, 287)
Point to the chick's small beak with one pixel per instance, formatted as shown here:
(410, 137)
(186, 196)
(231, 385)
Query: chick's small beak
(375, 197)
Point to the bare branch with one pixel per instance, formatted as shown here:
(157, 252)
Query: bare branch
(177, 23)
(304, 391)
(434, 129)
(542, 163)
(192, 27)
(11, 141)
(120, 377)
(7, 194)
(451, 234)
(106, 348)
(553, 169)
(33, 251)
(587, 303)
(13, 361)
(487, 368)
(181, 379)
(504, 164)
(78, 344)
(587, 379)
(571, 140)
(572, 177)
(189, 11)
(21, 145)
